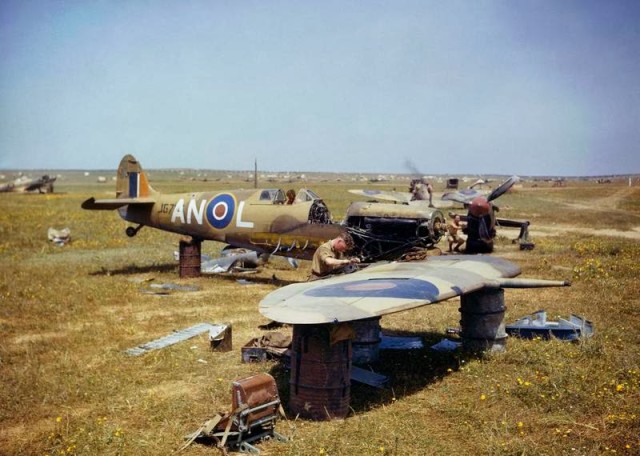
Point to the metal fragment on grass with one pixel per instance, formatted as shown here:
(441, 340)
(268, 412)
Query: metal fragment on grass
(537, 325)
(175, 337)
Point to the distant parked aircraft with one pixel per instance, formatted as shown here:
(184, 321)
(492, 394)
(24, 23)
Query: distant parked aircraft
(25, 184)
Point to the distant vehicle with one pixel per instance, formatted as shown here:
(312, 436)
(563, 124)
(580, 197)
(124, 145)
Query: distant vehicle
(24, 184)
(452, 183)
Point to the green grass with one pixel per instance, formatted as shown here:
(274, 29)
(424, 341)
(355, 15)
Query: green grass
(68, 313)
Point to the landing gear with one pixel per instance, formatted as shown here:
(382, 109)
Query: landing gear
(131, 231)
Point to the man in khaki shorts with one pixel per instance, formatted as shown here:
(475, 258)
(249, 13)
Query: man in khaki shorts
(454, 227)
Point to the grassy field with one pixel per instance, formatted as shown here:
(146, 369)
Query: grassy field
(67, 314)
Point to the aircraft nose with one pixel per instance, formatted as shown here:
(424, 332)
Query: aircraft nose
(479, 206)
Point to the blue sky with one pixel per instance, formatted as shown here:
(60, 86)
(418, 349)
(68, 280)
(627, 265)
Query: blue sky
(529, 87)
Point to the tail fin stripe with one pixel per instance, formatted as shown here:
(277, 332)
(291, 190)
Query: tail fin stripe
(134, 184)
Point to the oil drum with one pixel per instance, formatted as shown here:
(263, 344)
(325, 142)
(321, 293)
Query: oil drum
(190, 258)
(366, 343)
(320, 383)
(482, 321)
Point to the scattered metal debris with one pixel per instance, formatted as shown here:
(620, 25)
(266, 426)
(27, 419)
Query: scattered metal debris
(59, 237)
(536, 325)
(221, 340)
(164, 289)
(271, 345)
(399, 342)
(446, 345)
(177, 336)
(244, 259)
(233, 260)
(366, 377)
(175, 287)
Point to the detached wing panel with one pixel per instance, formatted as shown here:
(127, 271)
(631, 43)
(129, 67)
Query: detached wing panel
(382, 289)
(115, 203)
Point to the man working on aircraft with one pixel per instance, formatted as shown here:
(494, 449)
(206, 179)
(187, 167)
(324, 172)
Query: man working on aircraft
(330, 256)
(422, 190)
(291, 196)
(453, 229)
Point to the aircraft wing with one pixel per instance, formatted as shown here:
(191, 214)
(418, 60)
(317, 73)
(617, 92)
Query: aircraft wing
(385, 288)
(114, 203)
(398, 197)
(463, 196)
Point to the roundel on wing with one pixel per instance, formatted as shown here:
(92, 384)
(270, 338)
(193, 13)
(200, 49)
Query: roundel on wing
(220, 210)
(381, 288)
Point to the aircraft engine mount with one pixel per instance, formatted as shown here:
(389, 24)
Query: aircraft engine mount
(385, 231)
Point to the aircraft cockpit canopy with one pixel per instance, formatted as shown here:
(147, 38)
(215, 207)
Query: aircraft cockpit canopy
(275, 195)
(278, 196)
(306, 195)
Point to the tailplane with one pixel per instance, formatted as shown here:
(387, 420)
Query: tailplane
(132, 188)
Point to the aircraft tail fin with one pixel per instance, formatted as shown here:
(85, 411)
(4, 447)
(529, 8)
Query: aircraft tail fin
(132, 181)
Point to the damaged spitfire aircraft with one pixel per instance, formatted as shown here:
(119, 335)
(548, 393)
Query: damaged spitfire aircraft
(264, 220)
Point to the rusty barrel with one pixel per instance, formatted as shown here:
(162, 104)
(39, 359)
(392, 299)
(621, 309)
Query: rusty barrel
(482, 321)
(190, 258)
(320, 384)
(366, 342)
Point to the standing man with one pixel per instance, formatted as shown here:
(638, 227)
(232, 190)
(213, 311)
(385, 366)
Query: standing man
(453, 229)
(421, 190)
(330, 256)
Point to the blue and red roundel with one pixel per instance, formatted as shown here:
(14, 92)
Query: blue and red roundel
(220, 210)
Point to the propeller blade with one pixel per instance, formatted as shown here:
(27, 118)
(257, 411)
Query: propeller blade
(503, 188)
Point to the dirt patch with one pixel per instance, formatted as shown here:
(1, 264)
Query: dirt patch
(605, 204)
(561, 230)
